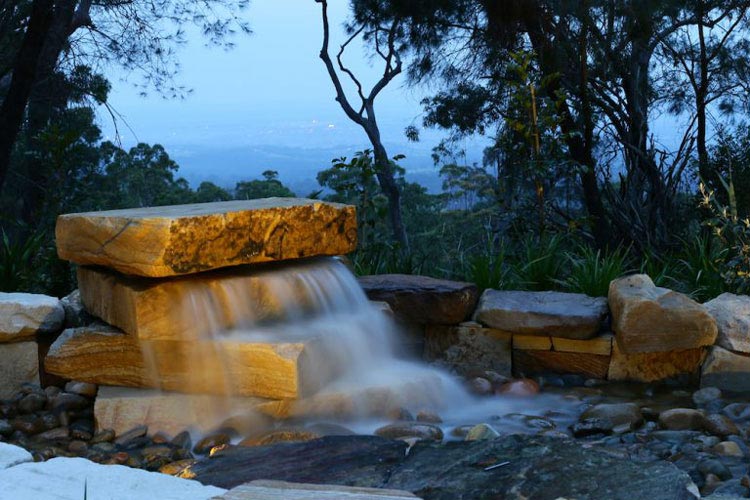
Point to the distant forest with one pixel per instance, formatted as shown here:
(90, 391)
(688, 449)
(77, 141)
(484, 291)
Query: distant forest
(574, 191)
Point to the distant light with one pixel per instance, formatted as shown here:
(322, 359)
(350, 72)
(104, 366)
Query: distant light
(331, 125)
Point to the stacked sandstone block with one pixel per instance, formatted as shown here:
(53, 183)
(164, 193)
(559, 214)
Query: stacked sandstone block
(140, 271)
(728, 362)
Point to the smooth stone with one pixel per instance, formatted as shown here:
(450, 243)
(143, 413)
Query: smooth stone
(177, 468)
(207, 443)
(134, 433)
(58, 433)
(591, 427)
(716, 467)
(184, 239)
(23, 315)
(728, 449)
(67, 402)
(523, 387)
(422, 299)
(682, 419)
(28, 424)
(19, 365)
(732, 314)
(481, 431)
(78, 447)
(6, 429)
(616, 413)
(647, 318)
(737, 411)
(704, 396)
(280, 436)
(480, 386)
(103, 436)
(726, 370)
(81, 388)
(11, 455)
(720, 425)
(429, 417)
(183, 440)
(554, 314)
(32, 402)
(409, 429)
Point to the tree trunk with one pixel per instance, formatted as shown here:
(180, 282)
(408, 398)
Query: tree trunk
(387, 181)
(700, 107)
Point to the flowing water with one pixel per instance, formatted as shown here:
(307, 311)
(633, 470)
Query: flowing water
(353, 372)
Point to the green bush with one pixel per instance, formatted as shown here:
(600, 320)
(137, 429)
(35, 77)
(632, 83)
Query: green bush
(591, 271)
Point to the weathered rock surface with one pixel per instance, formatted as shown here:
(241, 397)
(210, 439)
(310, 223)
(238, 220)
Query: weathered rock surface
(194, 306)
(75, 312)
(76, 478)
(107, 356)
(23, 315)
(554, 314)
(683, 419)
(541, 362)
(601, 345)
(539, 468)
(277, 490)
(647, 318)
(653, 366)
(617, 413)
(184, 239)
(122, 409)
(19, 365)
(469, 348)
(732, 314)
(421, 299)
(726, 370)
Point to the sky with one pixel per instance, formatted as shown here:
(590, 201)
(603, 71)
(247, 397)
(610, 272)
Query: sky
(269, 103)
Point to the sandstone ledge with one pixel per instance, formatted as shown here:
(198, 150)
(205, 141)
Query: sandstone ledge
(184, 239)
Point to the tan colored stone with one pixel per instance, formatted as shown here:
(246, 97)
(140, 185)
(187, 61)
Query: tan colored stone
(19, 365)
(23, 315)
(598, 345)
(123, 408)
(106, 356)
(653, 366)
(532, 343)
(732, 314)
(526, 363)
(469, 348)
(190, 307)
(279, 490)
(647, 318)
(184, 239)
(726, 370)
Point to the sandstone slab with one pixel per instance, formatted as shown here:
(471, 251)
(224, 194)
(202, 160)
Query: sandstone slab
(532, 342)
(106, 356)
(282, 490)
(23, 315)
(19, 365)
(184, 239)
(732, 314)
(601, 345)
(422, 299)
(469, 348)
(726, 370)
(647, 318)
(526, 363)
(195, 306)
(123, 409)
(552, 314)
(653, 366)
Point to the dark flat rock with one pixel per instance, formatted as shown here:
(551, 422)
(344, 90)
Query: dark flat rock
(421, 299)
(538, 468)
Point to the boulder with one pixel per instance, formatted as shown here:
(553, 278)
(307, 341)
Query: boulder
(732, 314)
(653, 366)
(468, 349)
(618, 413)
(23, 315)
(553, 314)
(726, 370)
(422, 299)
(106, 356)
(647, 318)
(123, 408)
(76, 478)
(19, 365)
(683, 419)
(184, 239)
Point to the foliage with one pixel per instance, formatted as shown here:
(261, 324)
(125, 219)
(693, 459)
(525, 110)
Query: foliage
(541, 262)
(591, 270)
(17, 259)
(269, 186)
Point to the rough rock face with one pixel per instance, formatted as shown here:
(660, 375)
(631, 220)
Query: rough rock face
(553, 314)
(726, 370)
(23, 315)
(421, 299)
(184, 239)
(469, 348)
(653, 366)
(19, 364)
(647, 318)
(528, 362)
(732, 314)
(542, 468)
(106, 356)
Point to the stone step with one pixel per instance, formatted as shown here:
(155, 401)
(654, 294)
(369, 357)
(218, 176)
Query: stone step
(107, 356)
(194, 306)
(282, 490)
(185, 239)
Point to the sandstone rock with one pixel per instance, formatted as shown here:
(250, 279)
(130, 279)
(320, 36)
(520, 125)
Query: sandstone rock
(617, 413)
(554, 314)
(192, 307)
(23, 315)
(274, 490)
(601, 345)
(207, 443)
(721, 425)
(647, 318)
(728, 449)
(532, 343)
(726, 370)
(19, 365)
(290, 435)
(732, 314)
(542, 362)
(421, 299)
(184, 239)
(683, 419)
(108, 357)
(469, 349)
(519, 387)
(481, 431)
(120, 409)
(653, 366)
